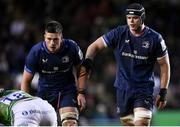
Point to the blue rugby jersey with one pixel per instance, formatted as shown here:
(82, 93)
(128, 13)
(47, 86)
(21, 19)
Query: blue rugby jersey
(55, 69)
(135, 56)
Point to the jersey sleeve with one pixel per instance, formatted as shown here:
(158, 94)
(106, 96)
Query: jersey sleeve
(31, 61)
(111, 38)
(161, 48)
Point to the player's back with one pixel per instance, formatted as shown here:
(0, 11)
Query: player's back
(7, 100)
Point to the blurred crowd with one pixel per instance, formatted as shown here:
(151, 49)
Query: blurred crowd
(22, 25)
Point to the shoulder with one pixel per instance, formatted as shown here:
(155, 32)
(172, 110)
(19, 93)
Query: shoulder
(70, 43)
(154, 34)
(38, 47)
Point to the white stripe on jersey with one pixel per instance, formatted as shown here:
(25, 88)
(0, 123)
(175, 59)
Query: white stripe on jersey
(159, 58)
(80, 54)
(163, 45)
(105, 45)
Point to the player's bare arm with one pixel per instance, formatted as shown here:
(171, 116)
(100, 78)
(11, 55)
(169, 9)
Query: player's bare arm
(92, 50)
(96, 46)
(26, 81)
(165, 77)
(81, 81)
(82, 78)
(85, 70)
(165, 71)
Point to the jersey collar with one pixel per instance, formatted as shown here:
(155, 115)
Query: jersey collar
(145, 31)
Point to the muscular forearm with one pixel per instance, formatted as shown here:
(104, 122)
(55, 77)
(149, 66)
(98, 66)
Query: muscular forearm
(91, 52)
(83, 75)
(165, 71)
(94, 48)
(165, 76)
(26, 81)
(25, 87)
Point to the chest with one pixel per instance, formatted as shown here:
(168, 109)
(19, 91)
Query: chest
(136, 46)
(52, 63)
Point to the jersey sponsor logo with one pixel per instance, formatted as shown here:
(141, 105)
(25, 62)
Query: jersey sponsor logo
(145, 44)
(32, 111)
(44, 60)
(48, 72)
(55, 71)
(134, 56)
(65, 59)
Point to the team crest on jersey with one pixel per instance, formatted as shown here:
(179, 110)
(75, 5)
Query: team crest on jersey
(65, 59)
(145, 44)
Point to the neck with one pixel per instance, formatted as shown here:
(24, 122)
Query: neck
(139, 31)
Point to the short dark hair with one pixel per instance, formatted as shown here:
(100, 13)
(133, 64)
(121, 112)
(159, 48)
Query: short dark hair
(54, 27)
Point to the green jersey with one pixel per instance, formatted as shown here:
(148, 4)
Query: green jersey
(7, 100)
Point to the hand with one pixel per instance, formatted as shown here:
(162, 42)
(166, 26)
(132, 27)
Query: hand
(160, 103)
(81, 101)
(161, 98)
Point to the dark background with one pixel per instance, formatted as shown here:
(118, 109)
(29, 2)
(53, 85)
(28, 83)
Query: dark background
(22, 25)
